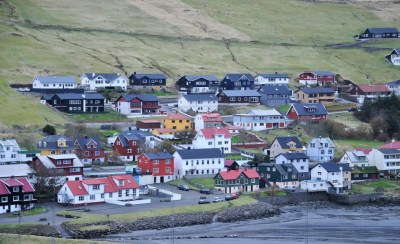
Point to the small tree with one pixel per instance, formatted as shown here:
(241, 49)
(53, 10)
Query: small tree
(49, 130)
(167, 145)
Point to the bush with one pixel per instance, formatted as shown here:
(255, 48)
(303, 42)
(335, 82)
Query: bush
(49, 130)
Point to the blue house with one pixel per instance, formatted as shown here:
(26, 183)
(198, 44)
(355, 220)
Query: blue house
(237, 82)
(275, 95)
(198, 84)
(155, 81)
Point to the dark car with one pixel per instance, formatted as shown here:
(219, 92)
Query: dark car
(352, 109)
(204, 201)
(228, 198)
(205, 191)
(183, 187)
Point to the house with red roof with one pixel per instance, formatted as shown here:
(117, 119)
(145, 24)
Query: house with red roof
(233, 181)
(213, 138)
(369, 91)
(160, 165)
(231, 164)
(207, 120)
(117, 189)
(16, 194)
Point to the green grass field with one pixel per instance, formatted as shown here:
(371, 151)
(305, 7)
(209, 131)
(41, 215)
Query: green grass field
(206, 182)
(50, 37)
(29, 239)
(371, 186)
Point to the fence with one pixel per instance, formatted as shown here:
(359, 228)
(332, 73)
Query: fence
(192, 182)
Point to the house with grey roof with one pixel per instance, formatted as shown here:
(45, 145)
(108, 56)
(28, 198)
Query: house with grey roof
(322, 78)
(280, 175)
(55, 145)
(89, 150)
(321, 150)
(275, 95)
(307, 112)
(394, 87)
(76, 102)
(288, 144)
(385, 32)
(95, 81)
(386, 160)
(154, 81)
(54, 82)
(202, 103)
(274, 79)
(137, 104)
(9, 152)
(237, 82)
(189, 84)
(299, 160)
(394, 57)
(315, 95)
(356, 158)
(259, 120)
(239, 97)
(206, 161)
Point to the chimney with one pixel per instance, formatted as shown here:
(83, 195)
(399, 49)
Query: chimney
(93, 74)
(86, 137)
(276, 72)
(134, 72)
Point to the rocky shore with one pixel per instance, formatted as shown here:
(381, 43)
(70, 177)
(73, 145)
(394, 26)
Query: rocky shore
(232, 214)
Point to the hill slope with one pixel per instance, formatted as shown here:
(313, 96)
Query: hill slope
(56, 37)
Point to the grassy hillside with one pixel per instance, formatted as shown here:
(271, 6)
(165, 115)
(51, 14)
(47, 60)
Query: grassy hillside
(56, 37)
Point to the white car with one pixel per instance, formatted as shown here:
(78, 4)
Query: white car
(218, 199)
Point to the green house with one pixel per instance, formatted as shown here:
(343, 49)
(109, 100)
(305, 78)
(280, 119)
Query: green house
(234, 181)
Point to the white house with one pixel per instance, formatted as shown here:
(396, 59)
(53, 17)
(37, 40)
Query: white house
(299, 160)
(394, 87)
(356, 158)
(321, 150)
(113, 189)
(198, 161)
(54, 82)
(18, 171)
(104, 80)
(394, 56)
(271, 79)
(207, 120)
(9, 151)
(213, 138)
(202, 103)
(386, 160)
(330, 177)
(258, 120)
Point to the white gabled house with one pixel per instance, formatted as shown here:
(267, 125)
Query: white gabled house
(54, 82)
(321, 150)
(119, 189)
(104, 80)
(207, 120)
(271, 79)
(202, 103)
(213, 138)
(298, 160)
(258, 120)
(9, 151)
(356, 158)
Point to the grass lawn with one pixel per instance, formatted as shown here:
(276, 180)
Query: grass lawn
(347, 119)
(359, 143)
(234, 157)
(370, 186)
(109, 116)
(30, 212)
(29, 239)
(206, 182)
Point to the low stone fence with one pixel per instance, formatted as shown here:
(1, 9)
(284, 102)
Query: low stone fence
(295, 198)
(362, 198)
(131, 202)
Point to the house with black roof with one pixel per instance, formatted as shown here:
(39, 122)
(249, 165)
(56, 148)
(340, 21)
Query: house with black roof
(155, 81)
(299, 160)
(280, 175)
(275, 95)
(75, 102)
(315, 95)
(95, 81)
(394, 57)
(202, 103)
(189, 84)
(239, 97)
(307, 112)
(237, 82)
(369, 33)
(130, 104)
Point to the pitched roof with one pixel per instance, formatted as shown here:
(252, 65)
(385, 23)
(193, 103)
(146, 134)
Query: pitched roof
(284, 169)
(11, 143)
(210, 133)
(283, 141)
(76, 187)
(78, 96)
(76, 162)
(373, 88)
(264, 112)
(395, 82)
(207, 117)
(275, 90)
(106, 76)
(56, 79)
(238, 77)
(50, 142)
(275, 75)
(364, 150)
(234, 174)
(383, 30)
(83, 142)
(241, 93)
(228, 162)
(150, 76)
(334, 167)
(200, 97)
(309, 90)
(142, 97)
(159, 155)
(128, 182)
(11, 182)
(294, 155)
(394, 144)
(3, 189)
(26, 185)
(15, 170)
(323, 73)
(200, 153)
(309, 108)
(389, 150)
(177, 116)
(323, 140)
(197, 77)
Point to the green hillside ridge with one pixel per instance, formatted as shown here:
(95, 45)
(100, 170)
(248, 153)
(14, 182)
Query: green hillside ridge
(55, 37)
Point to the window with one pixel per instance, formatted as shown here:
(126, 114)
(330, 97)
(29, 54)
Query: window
(102, 196)
(96, 187)
(86, 153)
(97, 153)
(127, 193)
(81, 198)
(210, 143)
(253, 180)
(15, 198)
(4, 199)
(92, 197)
(74, 170)
(167, 161)
(110, 195)
(13, 155)
(155, 161)
(16, 189)
(129, 150)
(120, 193)
(155, 170)
(319, 173)
(167, 169)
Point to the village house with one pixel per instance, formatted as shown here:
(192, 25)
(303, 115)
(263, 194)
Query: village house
(322, 78)
(258, 120)
(239, 97)
(356, 158)
(178, 122)
(207, 120)
(328, 177)
(299, 160)
(201, 103)
(75, 102)
(155, 81)
(95, 81)
(315, 95)
(118, 189)
(234, 181)
(188, 84)
(9, 152)
(198, 161)
(55, 145)
(231, 165)
(280, 175)
(367, 173)
(137, 104)
(370, 33)
(54, 82)
(275, 95)
(369, 92)
(321, 150)
(213, 138)
(386, 160)
(271, 79)
(148, 125)
(394, 57)
(89, 150)
(129, 144)
(394, 87)
(16, 195)
(279, 145)
(237, 82)
(18, 171)
(160, 165)
(307, 112)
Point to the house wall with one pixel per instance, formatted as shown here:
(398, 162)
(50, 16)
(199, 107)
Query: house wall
(320, 153)
(218, 141)
(261, 81)
(36, 84)
(258, 123)
(197, 106)
(301, 165)
(314, 186)
(391, 164)
(178, 124)
(308, 78)
(196, 167)
(96, 83)
(243, 100)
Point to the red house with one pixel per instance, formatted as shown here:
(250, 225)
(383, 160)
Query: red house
(321, 78)
(160, 165)
(89, 150)
(137, 104)
(128, 144)
(61, 168)
(307, 112)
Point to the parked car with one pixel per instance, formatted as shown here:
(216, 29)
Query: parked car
(204, 201)
(235, 196)
(205, 191)
(218, 199)
(228, 198)
(183, 187)
(352, 109)
(289, 188)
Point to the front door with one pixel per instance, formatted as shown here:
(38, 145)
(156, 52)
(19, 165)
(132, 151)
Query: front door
(155, 179)
(162, 179)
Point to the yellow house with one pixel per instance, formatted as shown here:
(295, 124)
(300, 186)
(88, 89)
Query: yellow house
(178, 122)
(55, 145)
(315, 95)
(290, 144)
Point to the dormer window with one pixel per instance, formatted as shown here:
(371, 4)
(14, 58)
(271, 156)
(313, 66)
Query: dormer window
(120, 182)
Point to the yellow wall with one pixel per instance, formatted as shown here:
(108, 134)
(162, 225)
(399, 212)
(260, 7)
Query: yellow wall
(185, 124)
